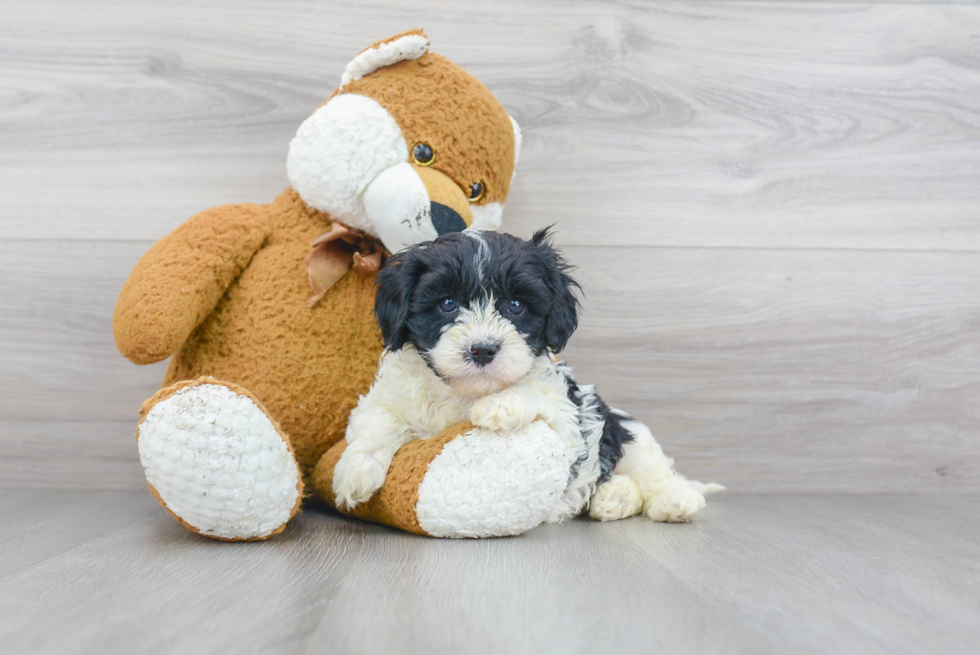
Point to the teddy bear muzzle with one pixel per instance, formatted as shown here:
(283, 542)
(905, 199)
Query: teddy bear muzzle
(408, 204)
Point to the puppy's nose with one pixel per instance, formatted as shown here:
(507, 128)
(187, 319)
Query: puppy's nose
(483, 353)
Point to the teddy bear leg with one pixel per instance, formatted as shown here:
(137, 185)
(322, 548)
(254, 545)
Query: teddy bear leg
(464, 482)
(217, 461)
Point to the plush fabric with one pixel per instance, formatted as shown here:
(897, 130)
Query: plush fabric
(345, 143)
(262, 315)
(394, 504)
(307, 364)
(464, 482)
(436, 102)
(410, 44)
(252, 482)
(487, 484)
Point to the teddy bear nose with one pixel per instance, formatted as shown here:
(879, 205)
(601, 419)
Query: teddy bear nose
(446, 219)
(483, 353)
(449, 210)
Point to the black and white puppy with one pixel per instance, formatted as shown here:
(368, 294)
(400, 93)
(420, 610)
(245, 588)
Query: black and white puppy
(471, 324)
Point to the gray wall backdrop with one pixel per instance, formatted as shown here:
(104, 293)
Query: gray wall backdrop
(774, 207)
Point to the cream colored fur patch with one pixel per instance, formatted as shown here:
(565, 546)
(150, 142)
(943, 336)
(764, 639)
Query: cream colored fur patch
(218, 463)
(408, 47)
(485, 483)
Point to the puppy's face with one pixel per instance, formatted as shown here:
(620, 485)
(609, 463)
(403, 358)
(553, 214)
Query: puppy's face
(478, 306)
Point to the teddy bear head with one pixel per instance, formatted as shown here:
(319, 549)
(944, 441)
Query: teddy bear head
(410, 146)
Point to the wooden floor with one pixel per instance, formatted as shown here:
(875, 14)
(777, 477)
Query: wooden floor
(109, 571)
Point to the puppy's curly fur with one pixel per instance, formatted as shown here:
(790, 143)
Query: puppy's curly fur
(471, 323)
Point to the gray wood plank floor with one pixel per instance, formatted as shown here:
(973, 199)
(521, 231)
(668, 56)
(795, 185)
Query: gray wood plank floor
(110, 572)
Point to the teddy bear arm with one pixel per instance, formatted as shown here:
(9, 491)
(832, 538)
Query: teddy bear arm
(178, 282)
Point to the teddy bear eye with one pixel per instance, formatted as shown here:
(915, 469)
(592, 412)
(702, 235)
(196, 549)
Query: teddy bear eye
(476, 191)
(423, 154)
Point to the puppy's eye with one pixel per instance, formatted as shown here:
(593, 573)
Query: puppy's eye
(476, 191)
(447, 305)
(516, 308)
(423, 154)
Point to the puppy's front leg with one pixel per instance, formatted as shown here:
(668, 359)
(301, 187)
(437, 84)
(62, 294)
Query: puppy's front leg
(374, 435)
(511, 409)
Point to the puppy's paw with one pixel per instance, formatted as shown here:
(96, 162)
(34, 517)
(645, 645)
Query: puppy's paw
(506, 411)
(356, 477)
(619, 497)
(676, 504)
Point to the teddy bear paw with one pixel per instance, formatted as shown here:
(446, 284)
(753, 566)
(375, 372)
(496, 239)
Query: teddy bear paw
(215, 461)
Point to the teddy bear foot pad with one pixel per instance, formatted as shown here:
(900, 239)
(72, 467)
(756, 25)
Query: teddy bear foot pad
(215, 460)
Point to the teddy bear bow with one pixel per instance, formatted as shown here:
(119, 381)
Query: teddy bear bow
(337, 251)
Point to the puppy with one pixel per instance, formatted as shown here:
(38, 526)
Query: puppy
(471, 324)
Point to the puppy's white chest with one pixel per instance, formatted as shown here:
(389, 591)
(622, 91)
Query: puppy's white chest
(439, 411)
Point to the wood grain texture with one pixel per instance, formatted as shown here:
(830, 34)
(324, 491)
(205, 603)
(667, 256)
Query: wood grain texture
(853, 366)
(774, 207)
(755, 574)
(766, 370)
(721, 123)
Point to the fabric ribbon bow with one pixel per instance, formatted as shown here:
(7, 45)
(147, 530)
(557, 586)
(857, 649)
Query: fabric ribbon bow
(337, 251)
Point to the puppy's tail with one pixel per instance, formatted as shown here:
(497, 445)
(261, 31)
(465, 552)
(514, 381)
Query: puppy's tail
(706, 489)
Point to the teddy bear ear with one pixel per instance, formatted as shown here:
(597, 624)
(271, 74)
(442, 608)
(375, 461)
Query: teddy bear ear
(518, 139)
(401, 47)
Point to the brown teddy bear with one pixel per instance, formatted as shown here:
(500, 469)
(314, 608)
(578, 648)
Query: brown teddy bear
(266, 310)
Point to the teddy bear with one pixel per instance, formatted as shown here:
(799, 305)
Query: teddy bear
(266, 310)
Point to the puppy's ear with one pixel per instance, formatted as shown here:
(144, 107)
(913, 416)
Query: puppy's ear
(395, 284)
(563, 319)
